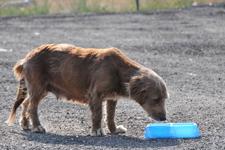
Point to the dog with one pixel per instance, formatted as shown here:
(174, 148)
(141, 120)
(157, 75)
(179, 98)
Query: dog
(85, 75)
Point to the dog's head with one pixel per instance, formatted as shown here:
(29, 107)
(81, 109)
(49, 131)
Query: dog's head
(150, 91)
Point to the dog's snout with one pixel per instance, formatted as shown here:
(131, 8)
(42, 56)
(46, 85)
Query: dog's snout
(159, 117)
(162, 118)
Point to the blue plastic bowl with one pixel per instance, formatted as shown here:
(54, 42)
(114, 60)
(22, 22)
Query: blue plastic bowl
(171, 130)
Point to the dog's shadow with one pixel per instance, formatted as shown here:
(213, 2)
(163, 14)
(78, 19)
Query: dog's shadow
(113, 141)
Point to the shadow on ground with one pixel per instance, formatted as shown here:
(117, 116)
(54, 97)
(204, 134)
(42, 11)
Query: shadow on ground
(119, 141)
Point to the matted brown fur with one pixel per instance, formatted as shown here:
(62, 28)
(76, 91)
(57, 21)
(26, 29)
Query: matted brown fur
(85, 75)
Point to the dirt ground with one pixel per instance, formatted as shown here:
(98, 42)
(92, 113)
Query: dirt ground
(186, 47)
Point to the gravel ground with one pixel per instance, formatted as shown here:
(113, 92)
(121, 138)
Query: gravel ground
(186, 47)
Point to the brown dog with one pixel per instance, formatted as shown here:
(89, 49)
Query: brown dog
(86, 75)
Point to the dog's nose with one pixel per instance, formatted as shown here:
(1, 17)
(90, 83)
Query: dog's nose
(162, 118)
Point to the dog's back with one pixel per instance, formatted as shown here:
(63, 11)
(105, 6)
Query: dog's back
(69, 71)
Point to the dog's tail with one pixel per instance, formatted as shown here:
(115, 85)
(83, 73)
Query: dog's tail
(21, 92)
(18, 69)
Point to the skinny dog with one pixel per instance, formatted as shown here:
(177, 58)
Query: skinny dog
(85, 75)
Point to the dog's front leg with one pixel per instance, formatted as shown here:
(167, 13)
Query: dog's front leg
(96, 113)
(111, 107)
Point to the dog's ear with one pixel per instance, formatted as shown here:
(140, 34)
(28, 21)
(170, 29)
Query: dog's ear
(141, 82)
(136, 84)
(138, 89)
(135, 79)
(143, 90)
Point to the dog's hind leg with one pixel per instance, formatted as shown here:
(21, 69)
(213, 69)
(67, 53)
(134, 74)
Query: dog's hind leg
(24, 120)
(36, 94)
(21, 95)
(34, 101)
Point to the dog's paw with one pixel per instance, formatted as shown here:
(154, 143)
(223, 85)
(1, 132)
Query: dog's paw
(98, 132)
(120, 129)
(38, 129)
(24, 124)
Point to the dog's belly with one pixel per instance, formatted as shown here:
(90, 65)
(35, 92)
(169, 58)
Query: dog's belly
(74, 95)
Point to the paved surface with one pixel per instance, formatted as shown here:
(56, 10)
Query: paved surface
(186, 47)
